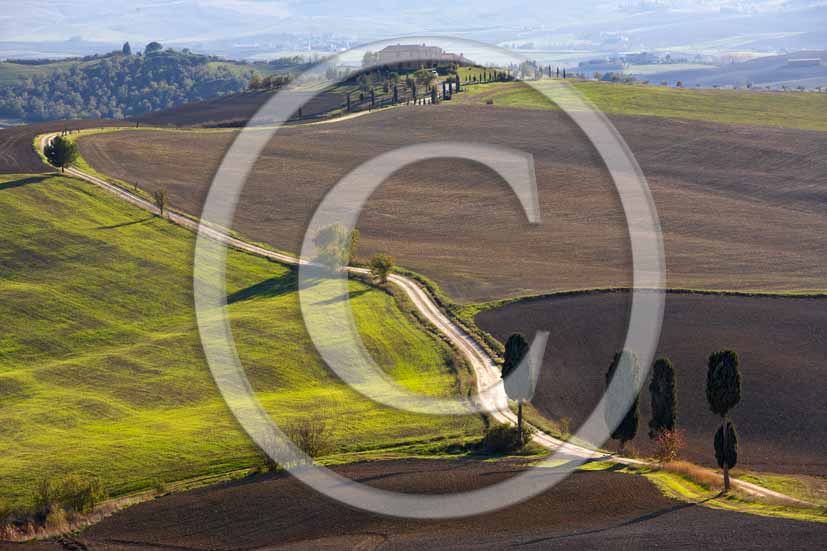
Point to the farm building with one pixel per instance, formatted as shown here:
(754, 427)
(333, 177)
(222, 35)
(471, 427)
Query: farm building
(413, 56)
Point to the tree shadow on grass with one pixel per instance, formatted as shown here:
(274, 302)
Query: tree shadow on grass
(123, 224)
(269, 288)
(343, 297)
(22, 182)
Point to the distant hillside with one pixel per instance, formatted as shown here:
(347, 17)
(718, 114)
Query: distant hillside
(774, 71)
(116, 86)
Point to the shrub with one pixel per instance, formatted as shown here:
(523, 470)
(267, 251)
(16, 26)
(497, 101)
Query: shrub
(668, 445)
(311, 435)
(506, 438)
(73, 493)
(704, 477)
(565, 426)
(489, 102)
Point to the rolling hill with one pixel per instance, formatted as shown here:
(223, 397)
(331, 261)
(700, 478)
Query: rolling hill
(722, 191)
(100, 357)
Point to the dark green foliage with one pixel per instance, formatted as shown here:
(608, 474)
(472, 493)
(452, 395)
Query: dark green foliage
(127, 49)
(153, 47)
(61, 152)
(624, 372)
(505, 439)
(662, 390)
(518, 386)
(516, 347)
(380, 265)
(723, 382)
(726, 454)
(119, 86)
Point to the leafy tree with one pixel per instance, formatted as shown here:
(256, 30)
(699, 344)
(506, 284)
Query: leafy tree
(726, 450)
(664, 399)
(161, 200)
(723, 392)
(380, 267)
(334, 246)
(354, 243)
(256, 82)
(624, 372)
(517, 384)
(127, 49)
(61, 152)
(152, 48)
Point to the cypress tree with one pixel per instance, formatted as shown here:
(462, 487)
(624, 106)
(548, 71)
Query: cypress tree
(664, 399)
(723, 392)
(516, 348)
(623, 371)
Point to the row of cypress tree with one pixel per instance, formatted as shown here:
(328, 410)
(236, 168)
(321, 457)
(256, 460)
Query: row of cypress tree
(723, 392)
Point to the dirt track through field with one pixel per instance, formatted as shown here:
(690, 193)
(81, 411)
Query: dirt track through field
(741, 207)
(586, 511)
(782, 343)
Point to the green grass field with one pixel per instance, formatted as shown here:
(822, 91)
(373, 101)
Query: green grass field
(11, 73)
(101, 368)
(789, 110)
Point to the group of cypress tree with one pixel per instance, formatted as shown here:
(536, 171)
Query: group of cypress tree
(723, 392)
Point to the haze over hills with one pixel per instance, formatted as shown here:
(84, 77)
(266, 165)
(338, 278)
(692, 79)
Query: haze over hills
(250, 29)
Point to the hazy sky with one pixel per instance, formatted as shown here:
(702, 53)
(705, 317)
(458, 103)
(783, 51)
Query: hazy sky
(220, 26)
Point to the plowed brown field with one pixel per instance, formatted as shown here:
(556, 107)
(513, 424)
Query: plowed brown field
(782, 343)
(741, 207)
(586, 511)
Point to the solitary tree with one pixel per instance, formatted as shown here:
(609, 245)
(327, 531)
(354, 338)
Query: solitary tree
(664, 399)
(153, 47)
(161, 199)
(723, 392)
(335, 246)
(61, 152)
(354, 244)
(127, 49)
(518, 384)
(380, 267)
(623, 373)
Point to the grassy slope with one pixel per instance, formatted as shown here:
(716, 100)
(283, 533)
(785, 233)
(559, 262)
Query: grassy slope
(101, 368)
(11, 73)
(788, 110)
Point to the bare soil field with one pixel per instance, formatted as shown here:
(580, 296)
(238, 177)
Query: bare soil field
(586, 511)
(17, 155)
(782, 343)
(741, 207)
(235, 110)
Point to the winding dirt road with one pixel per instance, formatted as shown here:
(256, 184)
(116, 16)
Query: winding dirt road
(490, 390)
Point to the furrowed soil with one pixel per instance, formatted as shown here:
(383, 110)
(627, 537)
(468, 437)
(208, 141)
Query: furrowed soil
(588, 510)
(17, 154)
(742, 207)
(782, 344)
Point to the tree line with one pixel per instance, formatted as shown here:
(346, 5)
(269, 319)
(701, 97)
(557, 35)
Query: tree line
(120, 85)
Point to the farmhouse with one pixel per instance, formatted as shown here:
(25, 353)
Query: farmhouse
(413, 56)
